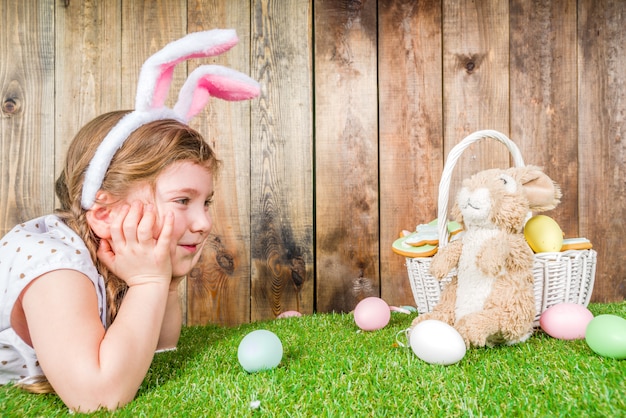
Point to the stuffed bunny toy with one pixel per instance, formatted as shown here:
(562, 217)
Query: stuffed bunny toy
(491, 299)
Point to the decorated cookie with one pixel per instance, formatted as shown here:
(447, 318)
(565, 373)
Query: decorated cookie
(576, 244)
(425, 234)
(422, 242)
(400, 247)
(454, 228)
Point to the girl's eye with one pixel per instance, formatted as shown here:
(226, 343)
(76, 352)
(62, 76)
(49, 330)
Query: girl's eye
(208, 203)
(183, 201)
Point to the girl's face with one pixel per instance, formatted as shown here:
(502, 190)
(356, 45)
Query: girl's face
(186, 190)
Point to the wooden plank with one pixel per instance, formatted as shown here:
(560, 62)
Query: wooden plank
(543, 96)
(146, 28)
(218, 290)
(88, 64)
(346, 154)
(602, 135)
(281, 154)
(411, 129)
(475, 81)
(26, 121)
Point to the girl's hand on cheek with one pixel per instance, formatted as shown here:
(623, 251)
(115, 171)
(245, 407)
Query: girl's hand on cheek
(132, 253)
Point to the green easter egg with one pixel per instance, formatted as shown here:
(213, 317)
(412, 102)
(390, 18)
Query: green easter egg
(606, 335)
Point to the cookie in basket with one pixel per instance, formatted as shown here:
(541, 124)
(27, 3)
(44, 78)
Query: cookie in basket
(423, 242)
(576, 244)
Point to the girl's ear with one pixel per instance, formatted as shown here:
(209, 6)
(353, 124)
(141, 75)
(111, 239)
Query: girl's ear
(100, 215)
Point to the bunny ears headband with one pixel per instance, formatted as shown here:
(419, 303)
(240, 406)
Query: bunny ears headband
(152, 89)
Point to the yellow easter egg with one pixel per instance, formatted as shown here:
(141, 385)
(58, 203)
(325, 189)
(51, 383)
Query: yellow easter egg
(543, 234)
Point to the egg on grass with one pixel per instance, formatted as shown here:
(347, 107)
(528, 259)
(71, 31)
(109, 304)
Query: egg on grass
(565, 321)
(288, 314)
(260, 350)
(372, 314)
(606, 336)
(436, 342)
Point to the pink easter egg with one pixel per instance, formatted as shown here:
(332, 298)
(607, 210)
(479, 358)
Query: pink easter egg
(371, 314)
(288, 314)
(566, 321)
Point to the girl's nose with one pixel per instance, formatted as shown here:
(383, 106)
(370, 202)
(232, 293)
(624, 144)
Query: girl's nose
(202, 222)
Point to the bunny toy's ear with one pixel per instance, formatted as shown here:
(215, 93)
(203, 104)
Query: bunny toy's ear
(541, 191)
(156, 73)
(209, 81)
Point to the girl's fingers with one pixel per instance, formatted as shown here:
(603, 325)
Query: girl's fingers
(132, 252)
(146, 225)
(165, 237)
(117, 232)
(105, 252)
(132, 221)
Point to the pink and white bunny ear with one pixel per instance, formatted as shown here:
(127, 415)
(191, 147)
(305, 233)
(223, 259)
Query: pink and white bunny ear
(209, 81)
(152, 90)
(156, 73)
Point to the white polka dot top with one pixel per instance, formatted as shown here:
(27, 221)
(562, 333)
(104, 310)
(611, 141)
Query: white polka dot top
(26, 252)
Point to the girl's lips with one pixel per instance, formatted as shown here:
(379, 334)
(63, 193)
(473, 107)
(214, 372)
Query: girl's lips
(190, 247)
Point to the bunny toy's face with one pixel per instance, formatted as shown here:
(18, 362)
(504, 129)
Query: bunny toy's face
(491, 199)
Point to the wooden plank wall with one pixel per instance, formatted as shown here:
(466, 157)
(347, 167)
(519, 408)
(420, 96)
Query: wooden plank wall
(361, 102)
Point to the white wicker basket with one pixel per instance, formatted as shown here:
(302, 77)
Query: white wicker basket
(565, 276)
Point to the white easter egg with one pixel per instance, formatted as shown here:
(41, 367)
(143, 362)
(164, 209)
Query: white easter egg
(436, 342)
(260, 350)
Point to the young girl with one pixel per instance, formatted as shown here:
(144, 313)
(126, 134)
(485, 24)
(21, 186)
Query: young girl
(87, 295)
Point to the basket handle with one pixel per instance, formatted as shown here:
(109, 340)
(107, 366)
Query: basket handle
(446, 176)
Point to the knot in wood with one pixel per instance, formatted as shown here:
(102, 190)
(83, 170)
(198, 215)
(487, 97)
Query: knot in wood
(226, 262)
(297, 278)
(10, 106)
(354, 5)
(195, 274)
(298, 271)
(469, 66)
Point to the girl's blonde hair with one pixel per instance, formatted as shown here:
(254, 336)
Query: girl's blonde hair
(140, 160)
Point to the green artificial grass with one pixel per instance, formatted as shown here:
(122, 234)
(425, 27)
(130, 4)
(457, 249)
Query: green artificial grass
(330, 369)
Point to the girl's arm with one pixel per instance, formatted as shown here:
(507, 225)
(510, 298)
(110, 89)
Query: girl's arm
(88, 367)
(172, 320)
